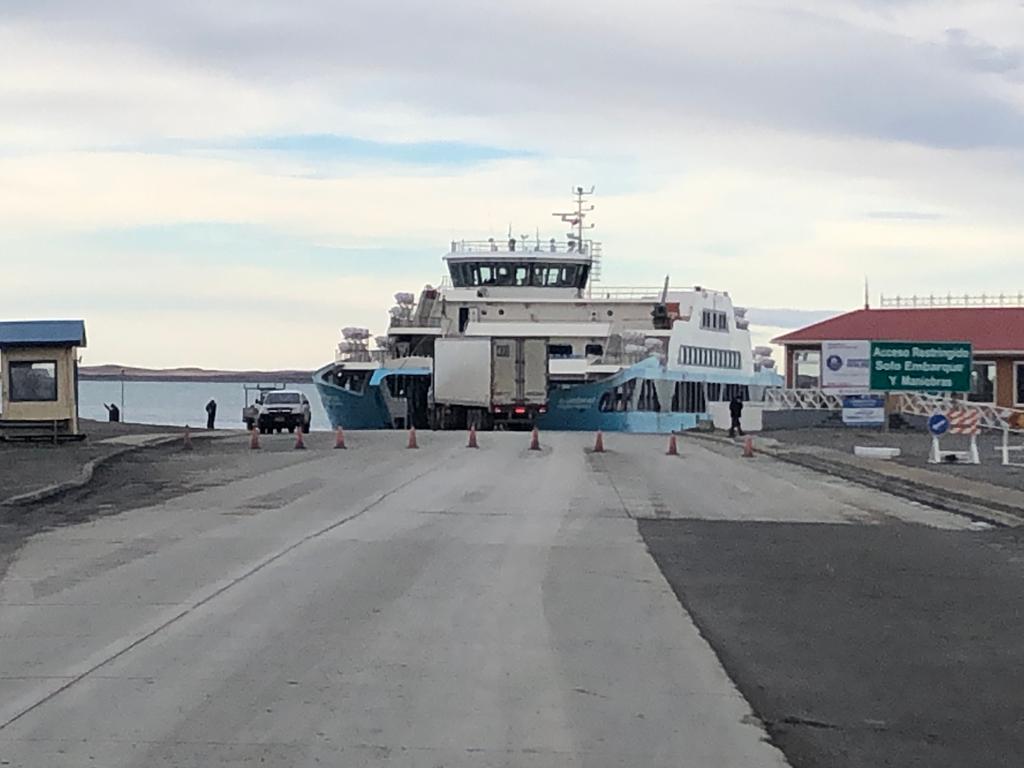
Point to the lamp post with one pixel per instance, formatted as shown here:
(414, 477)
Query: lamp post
(122, 394)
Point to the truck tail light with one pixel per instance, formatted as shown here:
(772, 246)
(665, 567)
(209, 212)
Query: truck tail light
(519, 411)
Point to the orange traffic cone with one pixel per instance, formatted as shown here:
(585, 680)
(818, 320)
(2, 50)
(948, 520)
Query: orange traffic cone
(599, 442)
(472, 438)
(254, 437)
(300, 444)
(673, 449)
(412, 438)
(748, 448)
(186, 444)
(339, 438)
(535, 440)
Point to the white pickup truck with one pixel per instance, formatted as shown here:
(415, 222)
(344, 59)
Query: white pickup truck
(283, 409)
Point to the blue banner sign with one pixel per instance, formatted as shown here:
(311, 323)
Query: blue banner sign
(864, 410)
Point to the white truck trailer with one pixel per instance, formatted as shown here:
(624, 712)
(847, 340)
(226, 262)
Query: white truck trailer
(489, 381)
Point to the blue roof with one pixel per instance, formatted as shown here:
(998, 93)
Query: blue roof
(32, 333)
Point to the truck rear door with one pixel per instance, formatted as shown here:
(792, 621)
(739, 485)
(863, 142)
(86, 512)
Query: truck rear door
(504, 367)
(534, 368)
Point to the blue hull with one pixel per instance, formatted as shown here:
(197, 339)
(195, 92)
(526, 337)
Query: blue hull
(576, 407)
(351, 410)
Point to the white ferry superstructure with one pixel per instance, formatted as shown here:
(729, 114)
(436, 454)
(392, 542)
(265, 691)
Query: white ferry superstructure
(621, 359)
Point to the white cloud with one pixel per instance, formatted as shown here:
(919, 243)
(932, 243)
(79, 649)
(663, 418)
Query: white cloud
(739, 145)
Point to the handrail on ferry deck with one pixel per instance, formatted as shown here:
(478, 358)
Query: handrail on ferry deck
(522, 246)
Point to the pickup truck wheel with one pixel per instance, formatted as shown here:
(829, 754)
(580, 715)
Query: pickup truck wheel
(291, 428)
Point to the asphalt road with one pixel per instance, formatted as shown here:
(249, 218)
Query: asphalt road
(388, 607)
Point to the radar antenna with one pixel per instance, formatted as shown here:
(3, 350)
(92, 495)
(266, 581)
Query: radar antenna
(576, 219)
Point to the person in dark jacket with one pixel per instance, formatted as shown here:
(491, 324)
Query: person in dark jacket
(113, 412)
(211, 413)
(735, 412)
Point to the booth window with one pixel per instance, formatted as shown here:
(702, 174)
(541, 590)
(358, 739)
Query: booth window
(1019, 378)
(34, 381)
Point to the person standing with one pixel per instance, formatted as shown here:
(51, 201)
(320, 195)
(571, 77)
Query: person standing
(735, 413)
(113, 412)
(211, 413)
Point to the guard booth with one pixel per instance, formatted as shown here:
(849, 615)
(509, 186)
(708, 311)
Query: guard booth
(39, 370)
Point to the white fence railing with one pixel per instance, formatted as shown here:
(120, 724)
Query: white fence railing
(989, 416)
(801, 399)
(910, 403)
(953, 300)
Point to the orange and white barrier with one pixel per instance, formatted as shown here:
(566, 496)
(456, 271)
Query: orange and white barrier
(962, 421)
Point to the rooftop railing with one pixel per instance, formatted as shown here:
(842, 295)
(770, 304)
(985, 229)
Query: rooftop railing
(953, 300)
(459, 247)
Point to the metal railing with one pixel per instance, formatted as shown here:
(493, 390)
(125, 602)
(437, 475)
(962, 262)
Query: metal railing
(531, 245)
(989, 416)
(953, 300)
(412, 322)
(909, 403)
(801, 399)
(623, 292)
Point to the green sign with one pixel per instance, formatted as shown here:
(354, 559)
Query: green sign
(924, 366)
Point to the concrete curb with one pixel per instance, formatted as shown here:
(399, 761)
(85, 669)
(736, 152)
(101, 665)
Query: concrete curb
(89, 469)
(984, 510)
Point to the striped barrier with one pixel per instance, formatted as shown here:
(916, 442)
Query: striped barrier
(956, 421)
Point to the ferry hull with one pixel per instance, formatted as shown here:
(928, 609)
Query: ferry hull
(575, 407)
(351, 410)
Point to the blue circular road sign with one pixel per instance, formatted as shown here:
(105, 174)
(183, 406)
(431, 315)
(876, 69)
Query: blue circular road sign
(938, 424)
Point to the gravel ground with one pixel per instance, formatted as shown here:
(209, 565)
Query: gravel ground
(914, 446)
(27, 466)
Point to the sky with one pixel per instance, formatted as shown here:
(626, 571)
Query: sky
(228, 184)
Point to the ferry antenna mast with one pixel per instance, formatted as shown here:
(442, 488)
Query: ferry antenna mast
(576, 220)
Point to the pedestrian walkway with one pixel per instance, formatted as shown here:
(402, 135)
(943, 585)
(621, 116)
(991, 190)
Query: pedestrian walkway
(976, 498)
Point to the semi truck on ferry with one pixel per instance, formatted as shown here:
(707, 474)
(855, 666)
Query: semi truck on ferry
(489, 382)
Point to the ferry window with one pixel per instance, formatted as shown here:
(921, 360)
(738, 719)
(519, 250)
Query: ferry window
(522, 275)
(487, 275)
(714, 320)
(457, 274)
(584, 272)
(593, 349)
(648, 399)
(688, 397)
(503, 275)
(34, 381)
(567, 277)
(559, 350)
(714, 391)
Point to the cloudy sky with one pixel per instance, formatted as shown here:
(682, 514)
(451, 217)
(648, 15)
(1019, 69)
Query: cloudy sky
(227, 183)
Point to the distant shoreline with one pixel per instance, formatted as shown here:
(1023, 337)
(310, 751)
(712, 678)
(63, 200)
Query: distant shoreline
(113, 373)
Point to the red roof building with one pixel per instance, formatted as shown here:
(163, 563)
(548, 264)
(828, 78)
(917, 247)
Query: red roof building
(996, 334)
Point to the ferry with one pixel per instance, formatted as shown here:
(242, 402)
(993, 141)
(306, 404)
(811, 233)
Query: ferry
(654, 360)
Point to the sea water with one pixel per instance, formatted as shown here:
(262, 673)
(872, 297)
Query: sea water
(179, 403)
